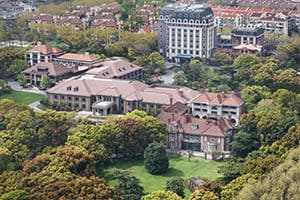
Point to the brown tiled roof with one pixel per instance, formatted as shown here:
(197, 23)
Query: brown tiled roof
(129, 90)
(79, 57)
(173, 112)
(93, 86)
(196, 126)
(54, 69)
(46, 49)
(229, 99)
(188, 124)
(114, 67)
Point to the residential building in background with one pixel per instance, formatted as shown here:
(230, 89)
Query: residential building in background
(186, 31)
(249, 39)
(275, 21)
(42, 53)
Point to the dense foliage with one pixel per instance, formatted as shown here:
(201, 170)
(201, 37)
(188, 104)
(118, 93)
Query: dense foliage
(155, 159)
(50, 155)
(176, 185)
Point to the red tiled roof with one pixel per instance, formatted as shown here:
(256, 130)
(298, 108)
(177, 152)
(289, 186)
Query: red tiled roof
(114, 67)
(219, 99)
(79, 57)
(197, 126)
(129, 90)
(54, 69)
(46, 49)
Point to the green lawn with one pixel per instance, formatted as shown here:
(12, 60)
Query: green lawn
(19, 97)
(179, 166)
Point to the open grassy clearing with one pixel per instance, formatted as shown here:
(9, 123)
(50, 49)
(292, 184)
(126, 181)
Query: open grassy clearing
(179, 166)
(20, 97)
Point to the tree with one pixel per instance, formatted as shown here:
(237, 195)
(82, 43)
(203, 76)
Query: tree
(281, 183)
(243, 64)
(201, 194)
(75, 160)
(161, 195)
(260, 165)
(221, 58)
(45, 82)
(15, 195)
(2, 86)
(21, 80)
(246, 139)
(176, 185)
(128, 188)
(232, 189)
(17, 66)
(231, 169)
(273, 124)
(253, 94)
(156, 160)
(156, 62)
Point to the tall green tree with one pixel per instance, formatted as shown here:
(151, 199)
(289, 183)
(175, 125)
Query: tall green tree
(156, 160)
(129, 188)
(45, 82)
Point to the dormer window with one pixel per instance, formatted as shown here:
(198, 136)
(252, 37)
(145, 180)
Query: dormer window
(195, 126)
(69, 88)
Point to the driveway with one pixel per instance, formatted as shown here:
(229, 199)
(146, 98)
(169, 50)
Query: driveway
(35, 105)
(15, 86)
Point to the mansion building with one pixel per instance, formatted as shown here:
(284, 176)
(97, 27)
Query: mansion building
(186, 31)
(112, 96)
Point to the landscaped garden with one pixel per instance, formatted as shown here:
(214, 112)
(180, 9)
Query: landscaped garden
(178, 166)
(19, 97)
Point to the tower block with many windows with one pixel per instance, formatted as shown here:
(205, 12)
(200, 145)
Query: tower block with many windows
(186, 31)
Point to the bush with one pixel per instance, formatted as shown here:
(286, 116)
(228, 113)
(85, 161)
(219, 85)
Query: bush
(176, 185)
(156, 160)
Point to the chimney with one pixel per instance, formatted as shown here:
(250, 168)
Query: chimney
(171, 101)
(180, 92)
(188, 118)
(215, 122)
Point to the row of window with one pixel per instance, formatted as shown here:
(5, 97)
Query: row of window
(69, 98)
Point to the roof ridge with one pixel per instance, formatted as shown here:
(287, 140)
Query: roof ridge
(86, 85)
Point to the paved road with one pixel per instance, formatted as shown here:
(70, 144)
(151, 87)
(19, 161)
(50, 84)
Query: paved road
(35, 105)
(15, 86)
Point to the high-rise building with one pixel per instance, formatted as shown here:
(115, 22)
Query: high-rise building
(186, 31)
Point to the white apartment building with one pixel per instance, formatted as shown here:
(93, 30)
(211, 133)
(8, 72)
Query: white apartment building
(217, 105)
(186, 31)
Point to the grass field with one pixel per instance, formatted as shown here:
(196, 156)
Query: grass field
(23, 98)
(179, 166)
